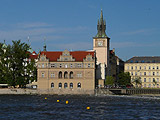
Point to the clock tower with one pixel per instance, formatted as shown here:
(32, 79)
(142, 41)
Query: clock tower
(101, 47)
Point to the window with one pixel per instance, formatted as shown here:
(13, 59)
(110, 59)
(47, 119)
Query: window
(157, 79)
(65, 85)
(157, 73)
(140, 67)
(157, 85)
(144, 73)
(60, 85)
(60, 65)
(66, 66)
(131, 73)
(52, 65)
(140, 74)
(89, 65)
(153, 67)
(131, 61)
(79, 75)
(157, 67)
(79, 85)
(60, 75)
(71, 65)
(132, 67)
(42, 65)
(144, 79)
(135, 67)
(42, 74)
(144, 85)
(153, 73)
(71, 75)
(149, 85)
(142, 61)
(78, 65)
(71, 85)
(154, 80)
(144, 67)
(136, 61)
(149, 73)
(128, 67)
(149, 79)
(65, 74)
(52, 85)
(149, 68)
(135, 73)
(52, 75)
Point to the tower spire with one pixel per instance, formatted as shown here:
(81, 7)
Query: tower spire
(101, 27)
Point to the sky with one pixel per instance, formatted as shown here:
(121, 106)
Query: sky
(132, 25)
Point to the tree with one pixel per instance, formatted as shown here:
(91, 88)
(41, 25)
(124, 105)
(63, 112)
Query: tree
(137, 81)
(109, 80)
(15, 66)
(124, 79)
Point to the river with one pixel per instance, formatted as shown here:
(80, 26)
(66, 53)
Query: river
(46, 107)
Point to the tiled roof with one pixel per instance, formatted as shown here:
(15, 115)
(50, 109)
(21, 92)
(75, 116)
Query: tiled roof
(77, 55)
(144, 59)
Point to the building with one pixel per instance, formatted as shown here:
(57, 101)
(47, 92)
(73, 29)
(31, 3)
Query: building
(147, 68)
(79, 72)
(66, 72)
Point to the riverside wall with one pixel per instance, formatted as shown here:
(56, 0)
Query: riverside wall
(134, 91)
(17, 91)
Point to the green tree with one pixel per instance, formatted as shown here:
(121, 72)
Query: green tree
(15, 66)
(109, 80)
(124, 78)
(137, 81)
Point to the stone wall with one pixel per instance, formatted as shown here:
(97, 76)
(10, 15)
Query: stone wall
(17, 91)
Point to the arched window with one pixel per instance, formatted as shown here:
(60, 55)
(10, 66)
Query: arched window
(79, 85)
(65, 74)
(71, 85)
(65, 85)
(60, 75)
(71, 75)
(60, 85)
(52, 85)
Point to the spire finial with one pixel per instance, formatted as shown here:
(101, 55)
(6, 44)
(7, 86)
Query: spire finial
(4, 41)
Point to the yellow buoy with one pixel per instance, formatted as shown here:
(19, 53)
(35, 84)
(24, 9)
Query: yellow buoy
(45, 98)
(88, 108)
(66, 102)
(57, 100)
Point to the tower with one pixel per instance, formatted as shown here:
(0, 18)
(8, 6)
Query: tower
(101, 46)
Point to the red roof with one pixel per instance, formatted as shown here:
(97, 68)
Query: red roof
(33, 56)
(77, 55)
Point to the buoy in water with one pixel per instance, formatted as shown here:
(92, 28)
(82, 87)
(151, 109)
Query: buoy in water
(88, 108)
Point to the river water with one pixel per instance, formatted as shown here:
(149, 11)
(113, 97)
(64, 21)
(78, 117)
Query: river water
(46, 107)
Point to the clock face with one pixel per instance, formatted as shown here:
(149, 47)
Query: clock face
(100, 43)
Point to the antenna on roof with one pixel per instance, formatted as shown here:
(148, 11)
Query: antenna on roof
(44, 47)
(28, 38)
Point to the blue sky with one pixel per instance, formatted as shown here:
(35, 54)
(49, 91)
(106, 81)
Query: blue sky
(133, 26)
